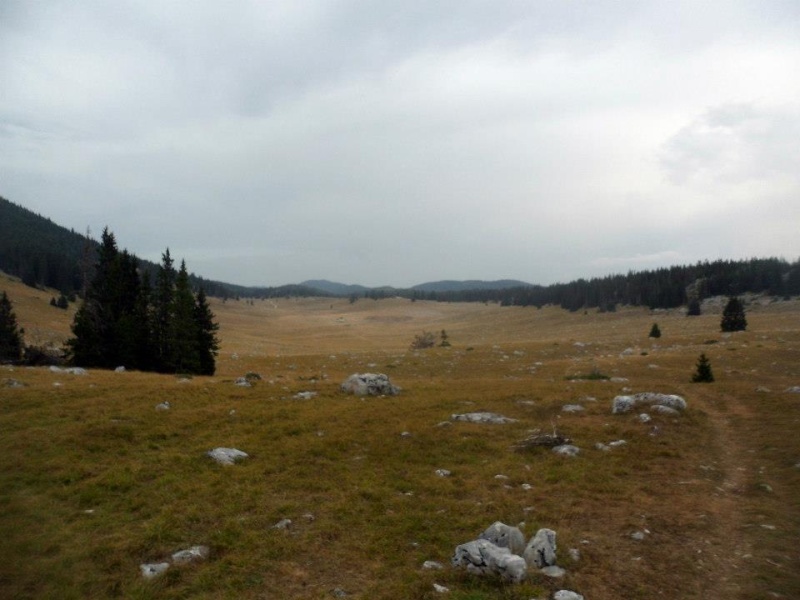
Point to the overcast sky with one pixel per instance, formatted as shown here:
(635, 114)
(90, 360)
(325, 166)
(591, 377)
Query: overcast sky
(393, 143)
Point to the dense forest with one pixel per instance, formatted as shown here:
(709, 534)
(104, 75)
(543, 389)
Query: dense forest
(42, 253)
(660, 288)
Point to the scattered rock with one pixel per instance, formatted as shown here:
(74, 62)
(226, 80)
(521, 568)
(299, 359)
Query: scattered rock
(150, 570)
(572, 408)
(541, 550)
(193, 554)
(119, 369)
(440, 588)
(645, 418)
(505, 536)
(567, 595)
(763, 390)
(369, 384)
(443, 473)
(242, 382)
(163, 406)
(553, 571)
(793, 390)
(575, 554)
(483, 417)
(13, 383)
(482, 557)
(638, 535)
(283, 524)
(566, 450)
(432, 565)
(227, 456)
(305, 395)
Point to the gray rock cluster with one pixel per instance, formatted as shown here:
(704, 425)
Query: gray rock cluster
(369, 384)
(501, 551)
(668, 404)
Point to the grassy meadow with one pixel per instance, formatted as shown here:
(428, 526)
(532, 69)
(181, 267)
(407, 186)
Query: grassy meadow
(95, 481)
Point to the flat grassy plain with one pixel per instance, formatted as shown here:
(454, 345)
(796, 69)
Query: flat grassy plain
(94, 481)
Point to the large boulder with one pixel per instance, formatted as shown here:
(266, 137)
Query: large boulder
(482, 557)
(541, 550)
(369, 384)
(504, 536)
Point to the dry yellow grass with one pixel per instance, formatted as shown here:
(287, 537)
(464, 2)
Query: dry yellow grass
(717, 488)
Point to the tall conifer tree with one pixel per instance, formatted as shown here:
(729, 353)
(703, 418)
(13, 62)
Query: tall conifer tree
(206, 328)
(10, 333)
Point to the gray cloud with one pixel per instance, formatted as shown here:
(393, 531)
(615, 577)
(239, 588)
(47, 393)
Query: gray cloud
(390, 144)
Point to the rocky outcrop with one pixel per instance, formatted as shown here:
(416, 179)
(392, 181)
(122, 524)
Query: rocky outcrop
(369, 384)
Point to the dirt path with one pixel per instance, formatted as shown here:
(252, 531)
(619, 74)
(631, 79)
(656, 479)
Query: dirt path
(730, 549)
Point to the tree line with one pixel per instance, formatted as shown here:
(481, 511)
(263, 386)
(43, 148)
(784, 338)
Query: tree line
(661, 288)
(128, 320)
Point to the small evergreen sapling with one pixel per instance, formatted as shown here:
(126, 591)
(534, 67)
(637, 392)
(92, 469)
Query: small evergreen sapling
(655, 332)
(703, 372)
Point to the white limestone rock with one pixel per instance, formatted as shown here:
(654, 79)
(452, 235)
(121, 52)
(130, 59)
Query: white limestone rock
(369, 384)
(572, 408)
(566, 450)
(150, 570)
(227, 456)
(193, 554)
(541, 550)
(624, 404)
(567, 595)
(481, 557)
(483, 417)
(505, 536)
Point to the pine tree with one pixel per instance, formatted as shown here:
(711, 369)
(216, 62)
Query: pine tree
(94, 326)
(703, 372)
(693, 309)
(10, 333)
(163, 310)
(733, 318)
(184, 339)
(655, 332)
(206, 328)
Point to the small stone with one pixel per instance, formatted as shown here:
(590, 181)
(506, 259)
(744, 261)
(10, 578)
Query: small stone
(119, 369)
(242, 382)
(572, 408)
(432, 565)
(405, 434)
(541, 550)
(645, 418)
(192, 554)
(150, 570)
(163, 406)
(567, 595)
(575, 554)
(440, 588)
(553, 571)
(227, 456)
(483, 417)
(443, 473)
(638, 535)
(283, 524)
(566, 450)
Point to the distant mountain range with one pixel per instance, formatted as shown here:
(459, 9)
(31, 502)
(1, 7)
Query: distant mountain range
(343, 289)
